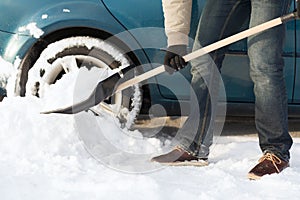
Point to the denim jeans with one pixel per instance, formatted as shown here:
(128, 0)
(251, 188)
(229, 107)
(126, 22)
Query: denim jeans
(220, 19)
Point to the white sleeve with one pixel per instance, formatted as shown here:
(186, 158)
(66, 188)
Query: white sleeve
(177, 15)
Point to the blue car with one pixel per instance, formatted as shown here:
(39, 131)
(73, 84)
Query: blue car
(68, 34)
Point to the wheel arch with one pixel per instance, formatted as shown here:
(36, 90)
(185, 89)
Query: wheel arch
(35, 50)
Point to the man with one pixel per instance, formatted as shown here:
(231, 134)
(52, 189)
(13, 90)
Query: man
(220, 19)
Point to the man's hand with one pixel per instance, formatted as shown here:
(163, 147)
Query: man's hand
(173, 59)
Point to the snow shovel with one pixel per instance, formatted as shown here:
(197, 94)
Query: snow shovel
(109, 86)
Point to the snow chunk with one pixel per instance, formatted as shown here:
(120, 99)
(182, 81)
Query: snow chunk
(33, 30)
(65, 10)
(44, 16)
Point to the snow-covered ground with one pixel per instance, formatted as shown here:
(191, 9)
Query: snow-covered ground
(47, 157)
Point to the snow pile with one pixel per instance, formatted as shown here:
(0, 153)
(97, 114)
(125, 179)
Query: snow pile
(42, 157)
(82, 157)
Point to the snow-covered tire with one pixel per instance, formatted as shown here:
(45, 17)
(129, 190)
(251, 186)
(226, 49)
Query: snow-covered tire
(53, 61)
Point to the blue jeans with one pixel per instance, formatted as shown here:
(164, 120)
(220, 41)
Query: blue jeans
(220, 19)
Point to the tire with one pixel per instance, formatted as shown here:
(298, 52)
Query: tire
(77, 52)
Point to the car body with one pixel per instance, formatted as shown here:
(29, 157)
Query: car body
(138, 27)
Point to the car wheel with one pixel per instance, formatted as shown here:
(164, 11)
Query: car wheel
(69, 54)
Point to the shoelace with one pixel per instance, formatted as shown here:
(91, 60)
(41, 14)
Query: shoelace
(181, 149)
(271, 157)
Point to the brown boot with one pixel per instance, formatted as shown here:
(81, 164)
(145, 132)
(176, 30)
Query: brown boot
(180, 157)
(268, 164)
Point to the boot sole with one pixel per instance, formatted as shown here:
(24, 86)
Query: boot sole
(187, 163)
(252, 176)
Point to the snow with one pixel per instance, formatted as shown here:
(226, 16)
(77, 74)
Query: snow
(32, 29)
(8, 73)
(44, 16)
(86, 157)
(43, 157)
(6, 69)
(65, 10)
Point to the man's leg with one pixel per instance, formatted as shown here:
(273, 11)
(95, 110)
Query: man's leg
(220, 18)
(266, 71)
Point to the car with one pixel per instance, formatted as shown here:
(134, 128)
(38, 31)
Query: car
(95, 32)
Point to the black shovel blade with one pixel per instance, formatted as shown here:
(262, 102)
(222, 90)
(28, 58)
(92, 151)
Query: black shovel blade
(103, 90)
